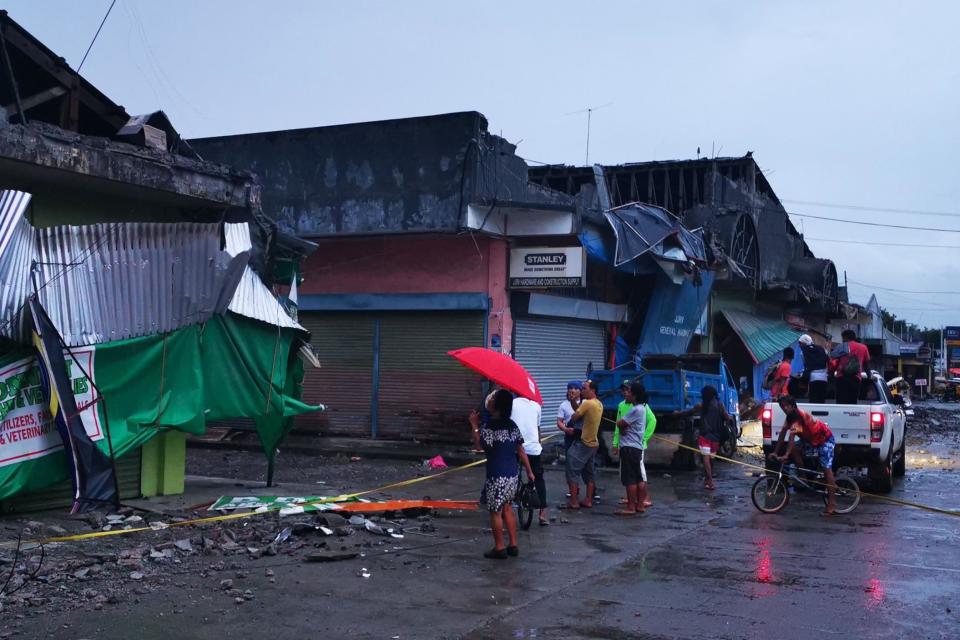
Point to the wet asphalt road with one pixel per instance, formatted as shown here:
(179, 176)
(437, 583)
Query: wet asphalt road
(696, 565)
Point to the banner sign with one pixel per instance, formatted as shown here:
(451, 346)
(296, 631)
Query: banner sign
(27, 430)
(270, 503)
(674, 314)
(544, 267)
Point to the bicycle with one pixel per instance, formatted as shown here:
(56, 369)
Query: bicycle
(526, 501)
(771, 493)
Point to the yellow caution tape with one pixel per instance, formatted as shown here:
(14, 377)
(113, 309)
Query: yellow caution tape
(238, 516)
(905, 503)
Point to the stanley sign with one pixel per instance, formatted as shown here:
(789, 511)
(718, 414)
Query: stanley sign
(544, 267)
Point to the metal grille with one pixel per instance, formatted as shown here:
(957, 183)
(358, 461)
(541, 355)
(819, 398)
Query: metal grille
(555, 351)
(344, 383)
(424, 393)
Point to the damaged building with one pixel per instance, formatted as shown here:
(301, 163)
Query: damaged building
(152, 265)
(432, 237)
(774, 288)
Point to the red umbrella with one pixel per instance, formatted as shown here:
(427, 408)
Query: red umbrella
(499, 368)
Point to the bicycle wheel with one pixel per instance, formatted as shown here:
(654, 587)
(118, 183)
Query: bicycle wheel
(524, 516)
(770, 494)
(848, 495)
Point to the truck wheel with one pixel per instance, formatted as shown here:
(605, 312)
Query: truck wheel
(900, 466)
(882, 473)
(728, 447)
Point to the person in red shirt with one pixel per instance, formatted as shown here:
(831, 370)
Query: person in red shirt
(817, 441)
(850, 361)
(781, 378)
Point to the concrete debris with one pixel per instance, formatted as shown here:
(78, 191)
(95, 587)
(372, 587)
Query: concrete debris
(184, 545)
(331, 556)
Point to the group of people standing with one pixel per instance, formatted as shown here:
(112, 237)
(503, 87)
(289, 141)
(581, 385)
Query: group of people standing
(510, 437)
(845, 364)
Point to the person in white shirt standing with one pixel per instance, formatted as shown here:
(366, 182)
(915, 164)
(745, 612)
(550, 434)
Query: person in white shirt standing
(526, 414)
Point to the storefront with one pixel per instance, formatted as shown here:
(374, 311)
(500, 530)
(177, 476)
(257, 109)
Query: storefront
(557, 337)
(385, 372)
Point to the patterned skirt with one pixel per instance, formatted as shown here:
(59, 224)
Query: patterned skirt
(499, 491)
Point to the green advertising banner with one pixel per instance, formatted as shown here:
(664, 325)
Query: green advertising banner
(230, 367)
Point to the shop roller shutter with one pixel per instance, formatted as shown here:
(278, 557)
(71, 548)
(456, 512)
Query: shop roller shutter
(556, 351)
(344, 383)
(424, 393)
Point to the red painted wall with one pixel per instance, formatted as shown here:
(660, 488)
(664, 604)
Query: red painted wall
(415, 264)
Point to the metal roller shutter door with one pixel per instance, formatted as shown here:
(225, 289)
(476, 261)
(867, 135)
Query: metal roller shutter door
(556, 351)
(423, 392)
(344, 383)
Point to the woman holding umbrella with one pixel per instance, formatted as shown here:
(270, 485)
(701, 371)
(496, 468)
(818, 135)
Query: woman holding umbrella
(502, 442)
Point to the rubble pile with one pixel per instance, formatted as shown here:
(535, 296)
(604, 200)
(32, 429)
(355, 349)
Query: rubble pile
(99, 572)
(928, 420)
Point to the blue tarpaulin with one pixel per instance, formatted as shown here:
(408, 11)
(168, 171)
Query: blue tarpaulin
(673, 314)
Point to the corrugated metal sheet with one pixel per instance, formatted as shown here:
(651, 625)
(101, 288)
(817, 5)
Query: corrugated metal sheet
(762, 336)
(555, 351)
(424, 394)
(17, 252)
(252, 298)
(344, 383)
(107, 282)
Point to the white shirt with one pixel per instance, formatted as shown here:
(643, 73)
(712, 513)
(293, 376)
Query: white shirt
(565, 412)
(526, 415)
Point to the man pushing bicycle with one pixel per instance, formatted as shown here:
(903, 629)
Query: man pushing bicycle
(818, 442)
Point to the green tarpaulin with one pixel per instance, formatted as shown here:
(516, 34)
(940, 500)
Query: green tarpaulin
(229, 367)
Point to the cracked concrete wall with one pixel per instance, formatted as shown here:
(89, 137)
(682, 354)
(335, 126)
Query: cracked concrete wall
(414, 174)
(40, 146)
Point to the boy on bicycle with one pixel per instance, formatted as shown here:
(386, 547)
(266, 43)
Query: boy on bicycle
(818, 442)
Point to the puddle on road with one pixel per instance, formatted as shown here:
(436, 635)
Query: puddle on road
(667, 563)
(599, 544)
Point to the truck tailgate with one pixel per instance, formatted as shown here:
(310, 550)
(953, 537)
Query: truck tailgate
(850, 423)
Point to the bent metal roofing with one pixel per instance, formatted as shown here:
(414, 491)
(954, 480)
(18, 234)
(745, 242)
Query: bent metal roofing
(106, 282)
(762, 336)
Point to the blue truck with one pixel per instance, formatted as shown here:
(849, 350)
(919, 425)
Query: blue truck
(673, 383)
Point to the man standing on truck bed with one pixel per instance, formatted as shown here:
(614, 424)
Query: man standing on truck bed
(581, 454)
(850, 360)
(781, 377)
(815, 364)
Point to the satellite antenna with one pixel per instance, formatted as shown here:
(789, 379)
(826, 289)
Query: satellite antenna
(589, 111)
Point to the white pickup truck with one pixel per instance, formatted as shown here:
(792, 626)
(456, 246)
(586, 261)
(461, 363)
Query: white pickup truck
(871, 433)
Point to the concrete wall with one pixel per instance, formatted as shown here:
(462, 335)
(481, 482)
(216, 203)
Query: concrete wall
(415, 264)
(413, 174)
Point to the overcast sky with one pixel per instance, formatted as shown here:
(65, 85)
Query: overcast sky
(845, 103)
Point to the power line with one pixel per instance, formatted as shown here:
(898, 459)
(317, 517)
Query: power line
(857, 207)
(948, 293)
(873, 224)
(102, 22)
(887, 244)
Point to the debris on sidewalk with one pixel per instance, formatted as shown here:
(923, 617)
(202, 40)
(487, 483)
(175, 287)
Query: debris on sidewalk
(436, 462)
(331, 556)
